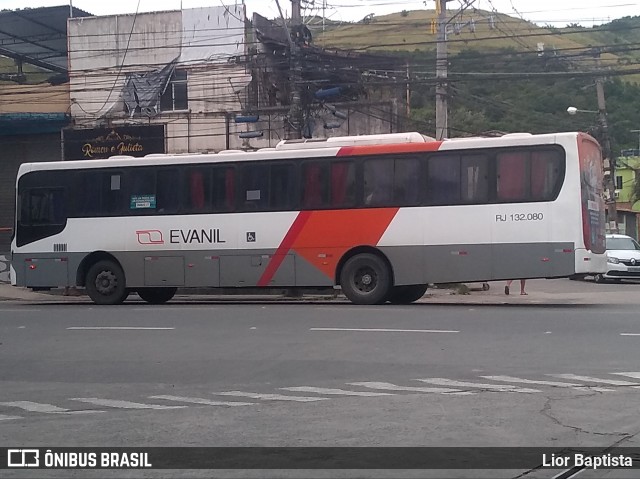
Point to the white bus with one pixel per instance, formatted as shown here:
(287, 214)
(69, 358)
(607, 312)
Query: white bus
(379, 216)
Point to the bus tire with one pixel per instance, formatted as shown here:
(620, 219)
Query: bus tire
(366, 279)
(106, 283)
(407, 294)
(157, 295)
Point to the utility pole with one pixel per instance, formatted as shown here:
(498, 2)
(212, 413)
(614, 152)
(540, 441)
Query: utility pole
(442, 122)
(295, 78)
(609, 162)
(296, 12)
(442, 64)
(293, 126)
(408, 91)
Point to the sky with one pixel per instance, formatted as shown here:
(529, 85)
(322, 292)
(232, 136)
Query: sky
(543, 12)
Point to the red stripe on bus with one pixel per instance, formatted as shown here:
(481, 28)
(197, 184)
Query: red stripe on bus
(392, 148)
(283, 249)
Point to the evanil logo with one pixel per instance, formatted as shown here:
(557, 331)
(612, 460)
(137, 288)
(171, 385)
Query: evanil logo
(150, 237)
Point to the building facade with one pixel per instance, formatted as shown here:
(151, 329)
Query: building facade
(167, 68)
(628, 207)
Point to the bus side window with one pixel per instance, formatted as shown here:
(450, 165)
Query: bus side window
(315, 185)
(224, 184)
(87, 194)
(167, 196)
(112, 195)
(281, 186)
(255, 181)
(198, 190)
(512, 178)
(545, 174)
(406, 181)
(142, 191)
(443, 181)
(378, 182)
(43, 207)
(475, 179)
(343, 184)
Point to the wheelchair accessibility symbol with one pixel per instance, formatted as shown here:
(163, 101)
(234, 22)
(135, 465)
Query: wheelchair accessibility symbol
(251, 237)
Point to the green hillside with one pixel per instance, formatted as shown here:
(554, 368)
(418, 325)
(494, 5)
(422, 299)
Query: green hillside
(411, 32)
(509, 75)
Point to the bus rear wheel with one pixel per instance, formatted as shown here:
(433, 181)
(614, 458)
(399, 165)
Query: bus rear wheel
(407, 294)
(106, 283)
(157, 295)
(366, 279)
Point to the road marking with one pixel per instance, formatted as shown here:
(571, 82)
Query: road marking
(629, 334)
(380, 330)
(43, 408)
(338, 392)
(9, 418)
(465, 384)
(579, 387)
(21, 310)
(271, 397)
(393, 387)
(152, 309)
(588, 379)
(569, 473)
(207, 402)
(125, 328)
(630, 374)
(124, 404)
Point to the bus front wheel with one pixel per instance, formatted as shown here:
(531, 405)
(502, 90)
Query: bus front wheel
(106, 283)
(157, 295)
(366, 279)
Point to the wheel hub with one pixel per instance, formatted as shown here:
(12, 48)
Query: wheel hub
(106, 282)
(365, 280)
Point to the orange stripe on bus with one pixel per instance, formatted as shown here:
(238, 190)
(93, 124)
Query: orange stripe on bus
(327, 235)
(393, 148)
(284, 248)
(322, 237)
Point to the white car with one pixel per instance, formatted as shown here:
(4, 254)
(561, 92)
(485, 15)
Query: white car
(623, 259)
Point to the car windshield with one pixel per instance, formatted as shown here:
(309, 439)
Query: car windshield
(622, 243)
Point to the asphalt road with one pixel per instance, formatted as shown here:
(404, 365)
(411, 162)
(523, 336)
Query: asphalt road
(320, 375)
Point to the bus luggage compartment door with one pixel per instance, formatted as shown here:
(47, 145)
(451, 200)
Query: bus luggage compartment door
(164, 271)
(46, 272)
(252, 270)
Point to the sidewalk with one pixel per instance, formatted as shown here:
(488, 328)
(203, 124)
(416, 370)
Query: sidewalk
(495, 295)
